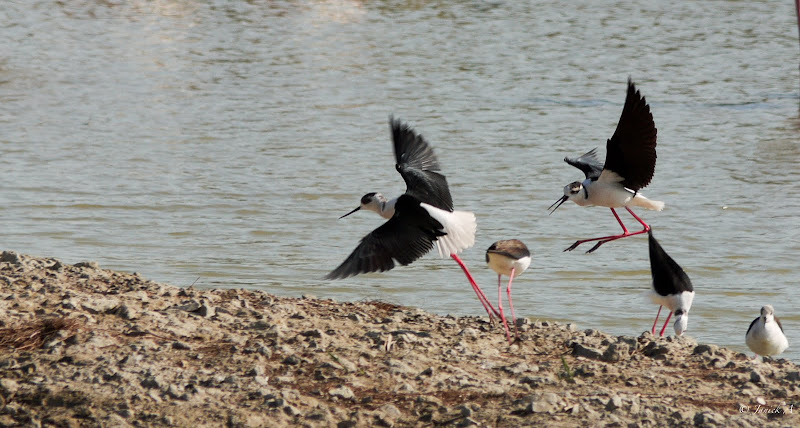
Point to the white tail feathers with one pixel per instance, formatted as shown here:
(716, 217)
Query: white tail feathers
(460, 227)
(641, 201)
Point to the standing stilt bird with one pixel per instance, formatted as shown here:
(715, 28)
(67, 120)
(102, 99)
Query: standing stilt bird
(417, 219)
(765, 334)
(671, 287)
(509, 257)
(629, 167)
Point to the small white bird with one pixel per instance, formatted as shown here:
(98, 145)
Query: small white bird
(629, 167)
(510, 258)
(671, 287)
(765, 334)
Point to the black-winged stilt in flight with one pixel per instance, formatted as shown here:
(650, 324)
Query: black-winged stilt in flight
(629, 167)
(509, 257)
(671, 287)
(416, 219)
(765, 334)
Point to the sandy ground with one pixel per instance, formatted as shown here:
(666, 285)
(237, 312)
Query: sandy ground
(83, 346)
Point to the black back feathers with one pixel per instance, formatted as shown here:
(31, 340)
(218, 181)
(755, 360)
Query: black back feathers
(668, 277)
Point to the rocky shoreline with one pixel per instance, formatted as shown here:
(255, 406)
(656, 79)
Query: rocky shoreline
(84, 346)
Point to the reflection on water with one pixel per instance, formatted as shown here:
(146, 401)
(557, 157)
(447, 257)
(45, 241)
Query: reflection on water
(223, 139)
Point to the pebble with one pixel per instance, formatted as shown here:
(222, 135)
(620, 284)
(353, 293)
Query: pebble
(291, 360)
(468, 409)
(89, 265)
(614, 403)
(469, 332)
(180, 346)
(125, 312)
(11, 257)
(427, 372)
(399, 367)
(580, 350)
(519, 367)
(255, 371)
(189, 306)
(388, 414)
(342, 392)
(9, 386)
(545, 403)
(705, 349)
(704, 419)
(756, 377)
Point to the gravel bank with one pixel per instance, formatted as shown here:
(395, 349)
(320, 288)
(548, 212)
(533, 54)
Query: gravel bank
(84, 346)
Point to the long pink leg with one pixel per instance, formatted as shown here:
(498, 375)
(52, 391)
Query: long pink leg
(654, 322)
(500, 307)
(511, 304)
(665, 324)
(624, 229)
(605, 239)
(481, 296)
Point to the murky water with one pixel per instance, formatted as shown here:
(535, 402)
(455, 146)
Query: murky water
(222, 140)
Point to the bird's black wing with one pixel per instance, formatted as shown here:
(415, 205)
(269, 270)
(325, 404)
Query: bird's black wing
(631, 151)
(752, 324)
(588, 163)
(668, 276)
(513, 248)
(419, 167)
(777, 321)
(407, 236)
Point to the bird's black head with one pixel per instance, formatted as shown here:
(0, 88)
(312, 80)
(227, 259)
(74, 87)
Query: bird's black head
(366, 199)
(570, 190)
(573, 188)
(371, 201)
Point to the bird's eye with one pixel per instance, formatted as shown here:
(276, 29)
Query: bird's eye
(679, 312)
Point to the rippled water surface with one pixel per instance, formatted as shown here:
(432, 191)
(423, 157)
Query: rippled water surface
(221, 140)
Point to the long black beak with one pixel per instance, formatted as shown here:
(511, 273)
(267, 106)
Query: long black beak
(351, 212)
(559, 202)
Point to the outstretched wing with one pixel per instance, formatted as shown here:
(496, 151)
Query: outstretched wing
(588, 163)
(631, 151)
(668, 276)
(407, 236)
(419, 167)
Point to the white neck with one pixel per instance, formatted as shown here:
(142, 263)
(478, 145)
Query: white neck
(387, 208)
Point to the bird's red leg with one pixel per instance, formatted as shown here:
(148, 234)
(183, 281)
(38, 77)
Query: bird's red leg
(481, 296)
(500, 307)
(645, 226)
(511, 304)
(665, 324)
(624, 229)
(656, 321)
(604, 239)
